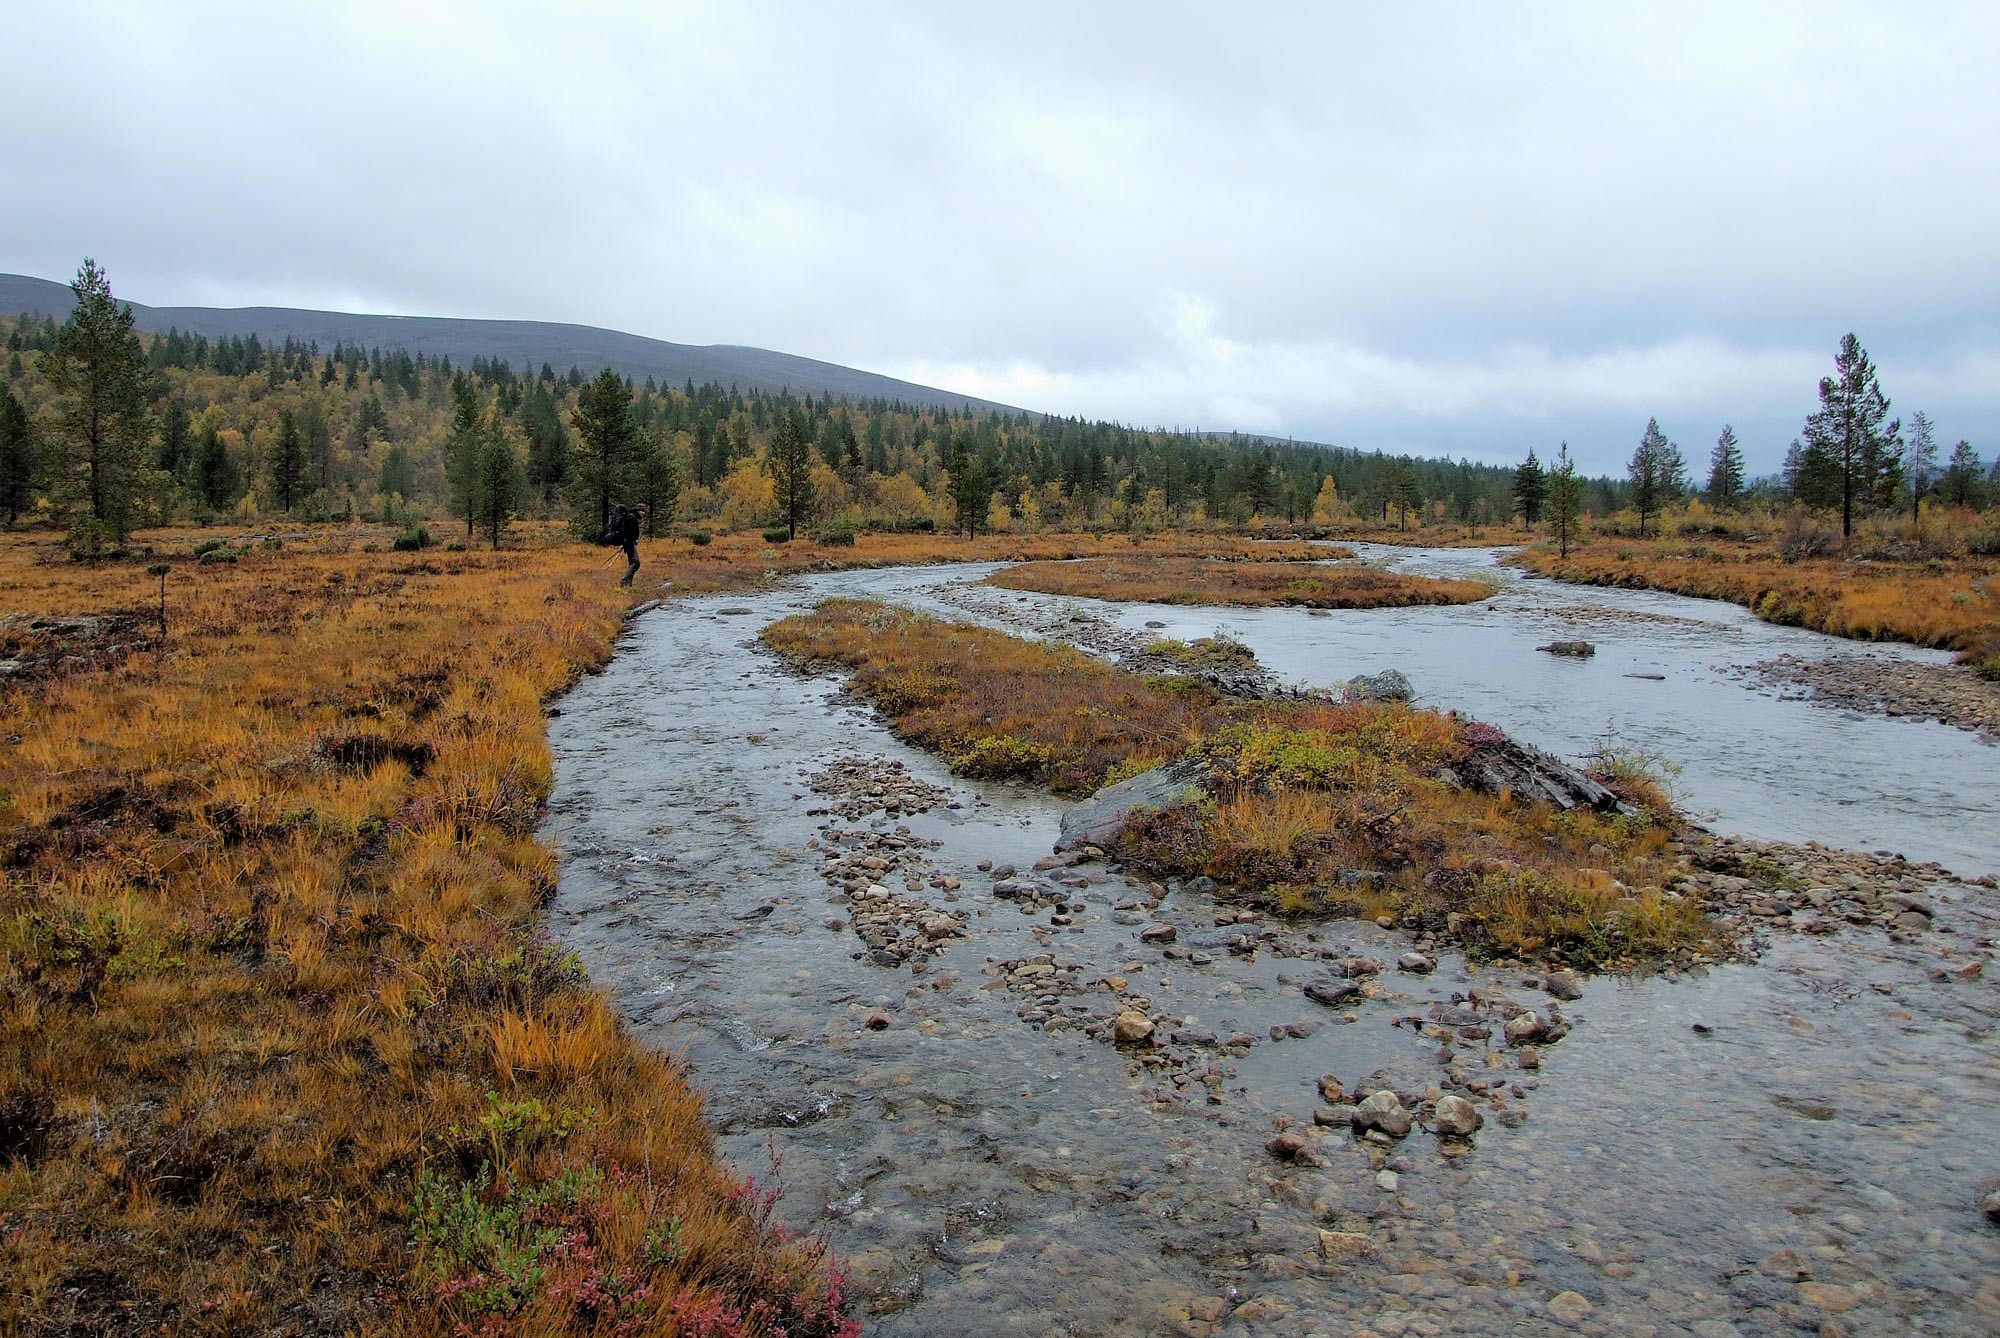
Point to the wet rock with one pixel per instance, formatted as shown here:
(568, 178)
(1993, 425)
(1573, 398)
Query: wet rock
(1287, 1145)
(1383, 1112)
(1388, 686)
(1576, 650)
(1990, 1205)
(1563, 985)
(1331, 990)
(1339, 1246)
(1099, 819)
(1416, 963)
(1787, 1263)
(875, 1019)
(1132, 1027)
(1525, 1027)
(1828, 1297)
(1387, 1181)
(1456, 1117)
(1570, 1307)
(1158, 933)
(1330, 1090)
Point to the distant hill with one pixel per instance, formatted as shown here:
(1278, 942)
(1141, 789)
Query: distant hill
(529, 343)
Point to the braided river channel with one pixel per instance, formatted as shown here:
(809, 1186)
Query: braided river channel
(1796, 1144)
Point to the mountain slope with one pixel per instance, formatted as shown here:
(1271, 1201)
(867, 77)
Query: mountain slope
(519, 342)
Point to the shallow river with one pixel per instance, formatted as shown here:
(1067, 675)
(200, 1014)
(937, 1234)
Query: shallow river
(1814, 1156)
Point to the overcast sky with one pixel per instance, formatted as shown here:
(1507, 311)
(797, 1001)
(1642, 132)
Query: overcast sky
(1440, 229)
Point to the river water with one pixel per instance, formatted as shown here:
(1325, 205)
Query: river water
(1814, 1156)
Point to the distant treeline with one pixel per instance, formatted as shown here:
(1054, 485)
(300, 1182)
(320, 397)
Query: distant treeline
(236, 427)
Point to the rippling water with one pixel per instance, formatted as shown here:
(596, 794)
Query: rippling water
(990, 1176)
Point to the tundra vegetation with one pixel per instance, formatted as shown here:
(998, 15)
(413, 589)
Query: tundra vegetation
(1306, 806)
(285, 1049)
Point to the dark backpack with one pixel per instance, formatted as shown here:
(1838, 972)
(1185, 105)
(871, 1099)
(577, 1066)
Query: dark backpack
(614, 528)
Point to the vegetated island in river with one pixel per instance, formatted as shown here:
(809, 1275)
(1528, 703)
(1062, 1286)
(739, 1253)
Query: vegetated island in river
(1156, 579)
(1303, 805)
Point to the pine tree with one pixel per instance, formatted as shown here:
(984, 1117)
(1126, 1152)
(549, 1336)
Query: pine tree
(97, 370)
(1531, 488)
(1725, 470)
(399, 473)
(1404, 494)
(1565, 500)
(790, 466)
(20, 463)
(607, 442)
(1919, 461)
(1849, 428)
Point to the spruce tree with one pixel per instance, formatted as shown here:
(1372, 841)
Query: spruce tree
(790, 466)
(1919, 461)
(1404, 494)
(287, 463)
(1725, 470)
(498, 482)
(1963, 483)
(1530, 489)
(98, 373)
(20, 465)
(607, 442)
(1657, 472)
(1852, 429)
(1565, 500)
(214, 471)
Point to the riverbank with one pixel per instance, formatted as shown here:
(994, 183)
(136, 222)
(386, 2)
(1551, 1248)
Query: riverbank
(1169, 580)
(286, 1049)
(1948, 603)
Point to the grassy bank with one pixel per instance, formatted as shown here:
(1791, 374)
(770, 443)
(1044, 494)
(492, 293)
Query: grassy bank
(1308, 807)
(1948, 602)
(1182, 580)
(284, 1048)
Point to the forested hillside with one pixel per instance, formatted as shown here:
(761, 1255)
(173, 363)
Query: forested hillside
(234, 426)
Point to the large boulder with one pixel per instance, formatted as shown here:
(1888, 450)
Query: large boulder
(1388, 686)
(1098, 820)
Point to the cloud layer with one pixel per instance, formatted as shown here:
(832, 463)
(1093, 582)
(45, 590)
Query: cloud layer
(1464, 229)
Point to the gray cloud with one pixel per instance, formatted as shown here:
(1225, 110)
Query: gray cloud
(1464, 229)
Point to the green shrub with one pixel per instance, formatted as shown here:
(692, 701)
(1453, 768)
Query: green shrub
(777, 535)
(840, 536)
(699, 538)
(207, 546)
(454, 547)
(218, 555)
(412, 540)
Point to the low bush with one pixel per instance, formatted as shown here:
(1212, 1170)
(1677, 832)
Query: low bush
(777, 535)
(412, 540)
(700, 538)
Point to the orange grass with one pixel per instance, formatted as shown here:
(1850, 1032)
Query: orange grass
(1311, 807)
(1947, 602)
(1179, 580)
(283, 1050)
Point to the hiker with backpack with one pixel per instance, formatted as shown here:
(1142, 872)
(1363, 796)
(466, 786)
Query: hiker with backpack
(623, 530)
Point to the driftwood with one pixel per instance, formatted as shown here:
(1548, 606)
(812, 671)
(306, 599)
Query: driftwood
(1500, 764)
